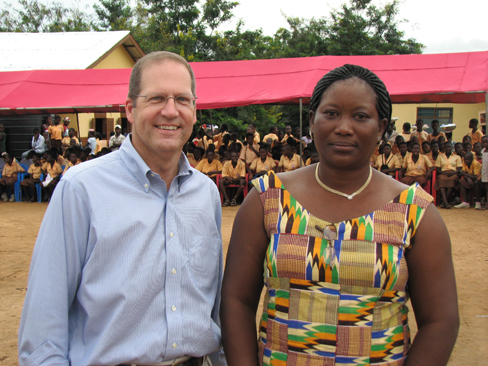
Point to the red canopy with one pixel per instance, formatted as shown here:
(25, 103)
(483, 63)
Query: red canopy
(434, 78)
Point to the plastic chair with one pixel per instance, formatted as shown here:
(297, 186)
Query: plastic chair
(245, 190)
(39, 190)
(20, 178)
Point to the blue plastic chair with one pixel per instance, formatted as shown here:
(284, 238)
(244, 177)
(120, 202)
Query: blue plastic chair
(20, 178)
(39, 190)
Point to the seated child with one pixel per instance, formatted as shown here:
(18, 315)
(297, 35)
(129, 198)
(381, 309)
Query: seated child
(467, 147)
(233, 172)
(289, 160)
(210, 166)
(72, 160)
(403, 153)
(470, 178)
(195, 157)
(53, 171)
(29, 184)
(263, 164)
(387, 163)
(434, 151)
(9, 177)
(416, 168)
(448, 165)
(477, 147)
(425, 147)
(458, 149)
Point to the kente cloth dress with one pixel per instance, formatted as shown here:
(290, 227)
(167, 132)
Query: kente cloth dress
(336, 292)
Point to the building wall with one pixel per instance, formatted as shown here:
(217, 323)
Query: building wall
(119, 58)
(461, 114)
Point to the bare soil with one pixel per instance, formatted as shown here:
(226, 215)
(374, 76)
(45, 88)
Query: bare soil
(20, 224)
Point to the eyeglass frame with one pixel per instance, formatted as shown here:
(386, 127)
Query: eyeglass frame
(174, 98)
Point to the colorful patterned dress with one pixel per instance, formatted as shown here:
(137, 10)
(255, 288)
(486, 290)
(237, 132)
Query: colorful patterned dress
(336, 293)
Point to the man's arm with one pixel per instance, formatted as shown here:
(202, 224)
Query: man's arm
(54, 276)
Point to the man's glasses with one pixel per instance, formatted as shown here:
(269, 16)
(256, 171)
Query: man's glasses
(160, 100)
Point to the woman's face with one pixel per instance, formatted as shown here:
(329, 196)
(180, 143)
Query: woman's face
(346, 125)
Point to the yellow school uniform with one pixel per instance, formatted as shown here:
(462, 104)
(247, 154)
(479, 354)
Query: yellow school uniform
(422, 136)
(476, 136)
(415, 169)
(228, 169)
(204, 166)
(248, 155)
(406, 136)
(100, 145)
(401, 159)
(285, 139)
(258, 166)
(451, 163)
(66, 141)
(56, 132)
(474, 169)
(219, 139)
(53, 170)
(257, 138)
(35, 171)
(271, 136)
(9, 170)
(391, 161)
(289, 164)
(432, 137)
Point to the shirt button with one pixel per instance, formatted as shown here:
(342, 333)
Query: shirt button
(145, 185)
(173, 271)
(173, 308)
(174, 345)
(171, 235)
(152, 175)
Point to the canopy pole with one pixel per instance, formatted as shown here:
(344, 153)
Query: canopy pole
(301, 133)
(78, 126)
(486, 113)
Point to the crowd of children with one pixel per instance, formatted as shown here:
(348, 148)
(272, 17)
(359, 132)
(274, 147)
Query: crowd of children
(460, 170)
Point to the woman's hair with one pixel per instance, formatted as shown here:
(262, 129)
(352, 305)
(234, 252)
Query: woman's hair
(383, 100)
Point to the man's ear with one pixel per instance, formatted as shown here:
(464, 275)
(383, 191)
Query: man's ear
(129, 109)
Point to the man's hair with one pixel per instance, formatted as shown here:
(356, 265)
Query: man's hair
(37, 130)
(272, 129)
(406, 126)
(402, 143)
(425, 143)
(383, 100)
(415, 143)
(474, 120)
(249, 134)
(151, 59)
(469, 154)
(458, 144)
(466, 144)
(434, 121)
(57, 118)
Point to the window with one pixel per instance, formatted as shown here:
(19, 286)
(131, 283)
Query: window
(443, 115)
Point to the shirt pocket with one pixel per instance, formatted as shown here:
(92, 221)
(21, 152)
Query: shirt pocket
(204, 261)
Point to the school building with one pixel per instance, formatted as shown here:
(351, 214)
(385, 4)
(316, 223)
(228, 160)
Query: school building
(65, 51)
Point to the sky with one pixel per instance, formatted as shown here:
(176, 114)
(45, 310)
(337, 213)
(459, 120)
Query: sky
(441, 27)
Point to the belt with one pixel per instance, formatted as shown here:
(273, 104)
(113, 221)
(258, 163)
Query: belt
(180, 361)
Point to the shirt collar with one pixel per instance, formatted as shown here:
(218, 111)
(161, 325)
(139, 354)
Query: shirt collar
(138, 167)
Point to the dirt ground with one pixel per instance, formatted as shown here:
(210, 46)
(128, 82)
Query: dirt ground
(469, 235)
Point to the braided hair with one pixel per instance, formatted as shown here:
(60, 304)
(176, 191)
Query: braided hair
(383, 100)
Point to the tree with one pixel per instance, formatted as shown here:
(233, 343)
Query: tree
(114, 14)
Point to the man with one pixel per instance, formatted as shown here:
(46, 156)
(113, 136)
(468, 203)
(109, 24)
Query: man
(38, 144)
(66, 122)
(257, 137)
(116, 140)
(250, 151)
(390, 133)
(420, 133)
(138, 260)
(91, 143)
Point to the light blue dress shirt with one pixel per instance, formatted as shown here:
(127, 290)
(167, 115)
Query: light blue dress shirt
(123, 270)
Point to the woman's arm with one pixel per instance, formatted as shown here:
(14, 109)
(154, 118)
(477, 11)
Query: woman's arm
(243, 283)
(432, 287)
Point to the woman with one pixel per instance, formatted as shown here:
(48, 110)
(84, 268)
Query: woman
(337, 240)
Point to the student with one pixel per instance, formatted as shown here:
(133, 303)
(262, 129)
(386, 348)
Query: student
(387, 163)
(484, 167)
(219, 138)
(56, 132)
(9, 177)
(53, 173)
(263, 164)
(406, 134)
(233, 172)
(402, 154)
(477, 147)
(436, 133)
(47, 122)
(101, 142)
(210, 166)
(91, 142)
(28, 184)
(72, 160)
(416, 168)
(225, 156)
(425, 147)
(249, 152)
(116, 139)
(306, 153)
(225, 144)
(467, 147)
(420, 133)
(448, 165)
(442, 141)
(289, 160)
(68, 140)
(458, 149)
(287, 135)
(475, 132)
(233, 139)
(395, 149)
(196, 157)
(470, 178)
(272, 135)
(257, 137)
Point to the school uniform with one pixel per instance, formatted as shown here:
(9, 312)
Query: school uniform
(421, 135)
(248, 155)
(271, 136)
(10, 170)
(100, 145)
(406, 136)
(204, 166)
(257, 138)
(219, 139)
(53, 170)
(391, 161)
(258, 165)
(35, 176)
(285, 139)
(416, 171)
(401, 159)
(69, 165)
(432, 137)
(476, 136)
(289, 164)
(308, 162)
(431, 157)
(450, 163)
(239, 171)
(473, 169)
(56, 132)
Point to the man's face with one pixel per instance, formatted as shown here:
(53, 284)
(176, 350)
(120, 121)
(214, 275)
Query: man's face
(73, 158)
(210, 156)
(234, 156)
(402, 148)
(471, 124)
(71, 133)
(250, 140)
(117, 131)
(426, 148)
(435, 147)
(288, 130)
(435, 126)
(458, 149)
(35, 160)
(468, 159)
(263, 153)
(159, 132)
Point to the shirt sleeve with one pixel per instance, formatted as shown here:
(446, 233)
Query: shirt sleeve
(242, 170)
(428, 163)
(51, 289)
(199, 166)
(459, 162)
(272, 164)
(280, 164)
(219, 165)
(254, 164)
